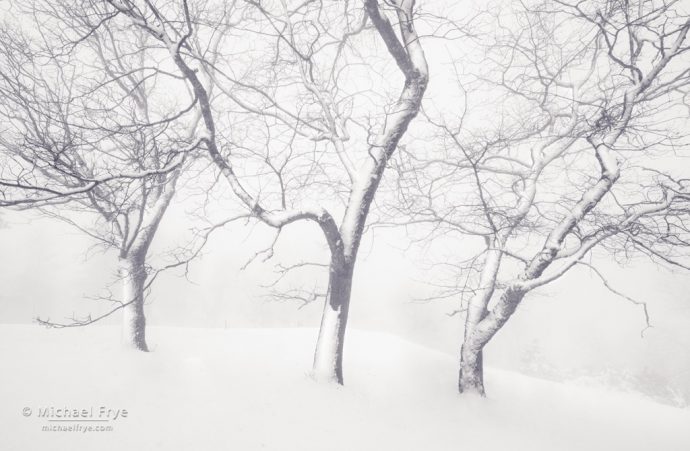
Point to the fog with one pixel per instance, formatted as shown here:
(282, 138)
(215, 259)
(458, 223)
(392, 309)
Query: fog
(572, 329)
(506, 108)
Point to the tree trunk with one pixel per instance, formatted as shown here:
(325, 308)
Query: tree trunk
(133, 275)
(471, 378)
(328, 358)
(477, 336)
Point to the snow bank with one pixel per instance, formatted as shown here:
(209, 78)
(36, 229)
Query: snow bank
(248, 389)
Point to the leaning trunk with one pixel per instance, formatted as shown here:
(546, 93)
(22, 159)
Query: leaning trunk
(328, 358)
(471, 377)
(133, 275)
(479, 333)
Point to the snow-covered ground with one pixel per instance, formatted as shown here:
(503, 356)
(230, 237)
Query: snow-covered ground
(248, 389)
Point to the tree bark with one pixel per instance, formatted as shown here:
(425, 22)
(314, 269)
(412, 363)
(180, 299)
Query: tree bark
(409, 56)
(328, 358)
(133, 274)
(471, 378)
(471, 374)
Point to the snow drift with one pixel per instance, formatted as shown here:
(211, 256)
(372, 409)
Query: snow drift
(248, 389)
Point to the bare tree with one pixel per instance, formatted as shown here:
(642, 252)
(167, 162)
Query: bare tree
(589, 95)
(301, 92)
(86, 144)
(35, 170)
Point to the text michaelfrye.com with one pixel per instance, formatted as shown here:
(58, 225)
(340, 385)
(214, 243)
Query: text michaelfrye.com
(77, 419)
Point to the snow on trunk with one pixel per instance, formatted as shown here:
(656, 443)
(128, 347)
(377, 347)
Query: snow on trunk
(411, 61)
(328, 358)
(471, 354)
(133, 275)
(471, 378)
(471, 375)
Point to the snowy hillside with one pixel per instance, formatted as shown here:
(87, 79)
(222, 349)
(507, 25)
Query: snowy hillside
(248, 389)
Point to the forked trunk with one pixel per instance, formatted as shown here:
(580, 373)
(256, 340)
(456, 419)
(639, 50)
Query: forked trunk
(133, 275)
(328, 358)
(480, 329)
